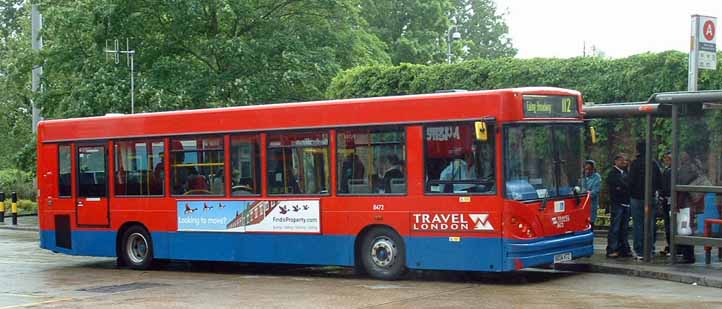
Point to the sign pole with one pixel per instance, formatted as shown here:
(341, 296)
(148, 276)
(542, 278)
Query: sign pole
(692, 75)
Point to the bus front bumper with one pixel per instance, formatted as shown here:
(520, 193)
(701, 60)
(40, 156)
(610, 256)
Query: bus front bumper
(520, 254)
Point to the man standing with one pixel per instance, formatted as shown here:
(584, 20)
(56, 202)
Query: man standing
(618, 184)
(637, 178)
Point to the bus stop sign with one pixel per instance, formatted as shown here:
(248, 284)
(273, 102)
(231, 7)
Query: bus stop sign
(704, 33)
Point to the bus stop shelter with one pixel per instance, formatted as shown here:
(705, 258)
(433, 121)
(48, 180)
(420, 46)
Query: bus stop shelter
(673, 105)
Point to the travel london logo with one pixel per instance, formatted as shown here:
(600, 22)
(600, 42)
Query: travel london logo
(451, 222)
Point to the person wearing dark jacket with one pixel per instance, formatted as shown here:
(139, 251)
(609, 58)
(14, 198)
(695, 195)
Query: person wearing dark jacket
(637, 178)
(394, 171)
(618, 185)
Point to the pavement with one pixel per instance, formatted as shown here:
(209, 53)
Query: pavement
(25, 223)
(659, 268)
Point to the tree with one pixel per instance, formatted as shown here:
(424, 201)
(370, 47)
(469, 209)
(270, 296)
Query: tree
(413, 30)
(483, 31)
(193, 54)
(15, 65)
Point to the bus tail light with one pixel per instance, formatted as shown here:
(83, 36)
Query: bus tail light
(521, 228)
(588, 222)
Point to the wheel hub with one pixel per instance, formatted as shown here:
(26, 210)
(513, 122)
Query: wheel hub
(137, 248)
(383, 252)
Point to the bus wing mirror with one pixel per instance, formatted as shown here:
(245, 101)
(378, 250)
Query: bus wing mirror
(481, 133)
(593, 134)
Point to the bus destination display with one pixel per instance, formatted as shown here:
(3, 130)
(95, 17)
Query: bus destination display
(543, 106)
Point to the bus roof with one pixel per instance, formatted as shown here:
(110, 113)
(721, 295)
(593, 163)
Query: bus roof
(286, 116)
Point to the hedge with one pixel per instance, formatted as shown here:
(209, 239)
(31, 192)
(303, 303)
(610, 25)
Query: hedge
(600, 80)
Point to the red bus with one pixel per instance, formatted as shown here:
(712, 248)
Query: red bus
(475, 181)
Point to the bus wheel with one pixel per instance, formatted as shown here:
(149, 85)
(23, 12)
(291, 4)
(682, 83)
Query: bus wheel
(137, 248)
(383, 254)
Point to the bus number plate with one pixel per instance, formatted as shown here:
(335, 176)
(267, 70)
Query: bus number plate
(564, 257)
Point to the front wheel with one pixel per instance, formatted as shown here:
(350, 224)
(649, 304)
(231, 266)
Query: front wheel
(383, 254)
(137, 249)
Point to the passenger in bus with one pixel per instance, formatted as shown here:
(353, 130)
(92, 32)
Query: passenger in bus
(217, 182)
(393, 171)
(351, 168)
(158, 177)
(196, 182)
(461, 168)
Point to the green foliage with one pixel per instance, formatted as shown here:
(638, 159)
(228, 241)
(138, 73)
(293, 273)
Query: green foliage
(15, 66)
(412, 30)
(24, 207)
(17, 181)
(483, 31)
(195, 54)
(27, 207)
(416, 31)
(600, 80)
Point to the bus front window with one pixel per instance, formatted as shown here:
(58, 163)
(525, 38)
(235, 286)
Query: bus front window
(542, 160)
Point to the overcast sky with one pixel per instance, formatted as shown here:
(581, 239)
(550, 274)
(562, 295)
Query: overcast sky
(619, 28)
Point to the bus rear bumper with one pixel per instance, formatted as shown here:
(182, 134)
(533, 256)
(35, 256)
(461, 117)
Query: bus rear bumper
(522, 254)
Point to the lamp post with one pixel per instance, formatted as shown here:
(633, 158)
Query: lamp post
(449, 37)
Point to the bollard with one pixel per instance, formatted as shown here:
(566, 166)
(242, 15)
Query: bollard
(14, 208)
(2, 207)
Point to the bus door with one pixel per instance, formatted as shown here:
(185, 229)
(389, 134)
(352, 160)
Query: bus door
(92, 185)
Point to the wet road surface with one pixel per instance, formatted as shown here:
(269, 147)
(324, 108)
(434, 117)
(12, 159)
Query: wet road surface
(32, 277)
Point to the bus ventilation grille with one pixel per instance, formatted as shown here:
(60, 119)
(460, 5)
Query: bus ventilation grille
(62, 232)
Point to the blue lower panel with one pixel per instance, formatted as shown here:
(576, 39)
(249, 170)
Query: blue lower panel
(522, 254)
(95, 243)
(470, 254)
(238, 247)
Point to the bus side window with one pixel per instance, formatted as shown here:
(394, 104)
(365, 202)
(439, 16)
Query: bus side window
(197, 166)
(139, 168)
(456, 162)
(371, 161)
(298, 163)
(245, 165)
(64, 171)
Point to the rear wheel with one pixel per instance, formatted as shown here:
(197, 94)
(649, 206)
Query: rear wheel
(137, 249)
(383, 254)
